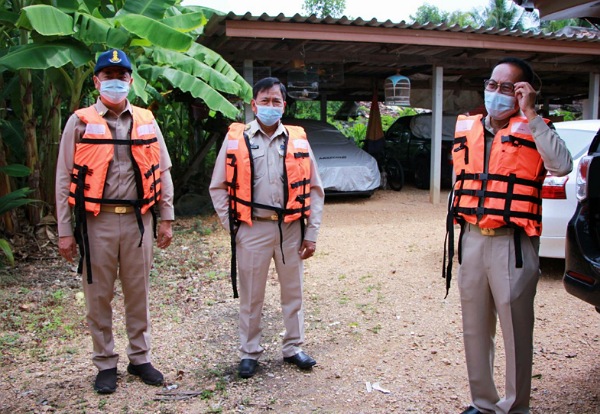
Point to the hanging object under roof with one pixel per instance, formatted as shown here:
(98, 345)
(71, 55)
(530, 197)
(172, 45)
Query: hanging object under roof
(303, 84)
(397, 90)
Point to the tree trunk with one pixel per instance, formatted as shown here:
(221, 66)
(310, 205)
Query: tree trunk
(31, 148)
(49, 139)
(5, 187)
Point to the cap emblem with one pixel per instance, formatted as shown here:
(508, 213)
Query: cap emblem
(115, 57)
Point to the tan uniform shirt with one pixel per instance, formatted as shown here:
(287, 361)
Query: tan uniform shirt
(120, 179)
(268, 183)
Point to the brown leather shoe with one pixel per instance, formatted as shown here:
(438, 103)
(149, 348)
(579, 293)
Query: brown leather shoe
(147, 373)
(106, 381)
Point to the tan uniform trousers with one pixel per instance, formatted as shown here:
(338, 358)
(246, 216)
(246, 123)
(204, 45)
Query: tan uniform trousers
(491, 286)
(256, 245)
(114, 251)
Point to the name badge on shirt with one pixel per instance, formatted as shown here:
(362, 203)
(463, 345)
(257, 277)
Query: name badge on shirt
(464, 125)
(146, 130)
(300, 144)
(521, 127)
(93, 129)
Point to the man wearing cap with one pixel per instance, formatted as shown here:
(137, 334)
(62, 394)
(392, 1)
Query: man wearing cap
(112, 168)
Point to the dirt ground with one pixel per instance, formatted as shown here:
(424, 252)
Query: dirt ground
(376, 319)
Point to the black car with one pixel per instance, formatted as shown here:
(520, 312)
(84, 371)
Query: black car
(582, 256)
(408, 141)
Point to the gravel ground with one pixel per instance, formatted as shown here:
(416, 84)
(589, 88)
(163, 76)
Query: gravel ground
(376, 319)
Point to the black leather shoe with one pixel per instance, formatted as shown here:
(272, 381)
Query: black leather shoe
(301, 360)
(471, 410)
(147, 373)
(106, 381)
(247, 367)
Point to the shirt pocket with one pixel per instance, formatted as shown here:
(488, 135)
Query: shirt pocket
(258, 161)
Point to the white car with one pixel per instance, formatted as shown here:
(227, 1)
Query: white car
(345, 169)
(558, 193)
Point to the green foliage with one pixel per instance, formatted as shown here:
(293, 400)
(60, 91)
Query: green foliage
(553, 26)
(324, 8)
(51, 47)
(499, 14)
(567, 115)
(432, 14)
(11, 201)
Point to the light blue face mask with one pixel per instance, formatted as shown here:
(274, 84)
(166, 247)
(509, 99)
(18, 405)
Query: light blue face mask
(268, 115)
(498, 105)
(114, 91)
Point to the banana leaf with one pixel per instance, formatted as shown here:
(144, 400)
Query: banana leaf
(188, 64)
(157, 33)
(15, 199)
(5, 247)
(45, 55)
(15, 170)
(154, 9)
(46, 20)
(196, 87)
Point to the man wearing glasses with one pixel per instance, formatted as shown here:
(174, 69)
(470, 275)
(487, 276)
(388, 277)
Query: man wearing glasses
(500, 162)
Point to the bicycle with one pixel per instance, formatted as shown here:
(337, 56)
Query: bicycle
(392, 173)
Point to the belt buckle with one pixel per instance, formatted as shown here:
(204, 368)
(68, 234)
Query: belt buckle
(274, 217)
(488, 232)
(120, 209)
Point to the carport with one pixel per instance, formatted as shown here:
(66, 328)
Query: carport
(446, 65)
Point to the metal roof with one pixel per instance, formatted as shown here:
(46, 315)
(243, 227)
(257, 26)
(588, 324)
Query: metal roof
(357, 54)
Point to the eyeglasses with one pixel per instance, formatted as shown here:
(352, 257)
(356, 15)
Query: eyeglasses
(506, 88)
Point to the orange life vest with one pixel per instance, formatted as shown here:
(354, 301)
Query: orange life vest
(95, 151)
(509, 194)
(239, 170)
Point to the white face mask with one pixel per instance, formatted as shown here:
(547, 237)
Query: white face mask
(268, 115)
(498, 105)
(114, 91)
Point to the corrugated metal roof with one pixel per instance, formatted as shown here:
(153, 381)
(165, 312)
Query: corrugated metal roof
(370, 50)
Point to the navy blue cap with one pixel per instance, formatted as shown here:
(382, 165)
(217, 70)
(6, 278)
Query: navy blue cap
(113, 57)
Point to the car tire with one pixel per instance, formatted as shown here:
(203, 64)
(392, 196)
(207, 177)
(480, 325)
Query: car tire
(422, 174)
(395, 174)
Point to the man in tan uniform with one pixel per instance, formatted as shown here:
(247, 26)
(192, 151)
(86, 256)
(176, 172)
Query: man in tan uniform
(113, 166)
(500, 162)
(268, 194)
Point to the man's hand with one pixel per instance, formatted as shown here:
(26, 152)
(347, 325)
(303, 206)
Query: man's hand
(165, 234)
(307, 249)
(526, 96)
(67, 247)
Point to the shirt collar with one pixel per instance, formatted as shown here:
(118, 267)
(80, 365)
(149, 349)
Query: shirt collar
(255, 128)
(103, 110)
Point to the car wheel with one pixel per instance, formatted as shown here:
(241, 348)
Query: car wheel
(395, 174)
(422, 174)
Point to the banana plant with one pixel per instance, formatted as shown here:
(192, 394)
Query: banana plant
(56, 43)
